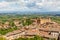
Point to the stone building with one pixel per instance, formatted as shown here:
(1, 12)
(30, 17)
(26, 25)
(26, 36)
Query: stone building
(41, 20)
(6, 25)
(1, 25)
(17, 22)
(45, 20)
(48, 29)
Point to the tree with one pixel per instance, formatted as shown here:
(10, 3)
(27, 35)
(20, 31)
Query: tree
(38, 38)
(28, 22)
(35, 38)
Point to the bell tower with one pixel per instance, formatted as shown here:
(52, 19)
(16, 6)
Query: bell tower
(38, 21)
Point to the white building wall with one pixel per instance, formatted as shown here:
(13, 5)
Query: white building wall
(54, 34)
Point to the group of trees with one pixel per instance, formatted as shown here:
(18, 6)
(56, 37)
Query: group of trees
(56, 19)
(13, 26)
(4, 31)
(35, 38)
(28, 22)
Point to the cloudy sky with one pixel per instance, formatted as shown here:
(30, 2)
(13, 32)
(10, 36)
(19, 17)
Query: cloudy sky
(29, 5)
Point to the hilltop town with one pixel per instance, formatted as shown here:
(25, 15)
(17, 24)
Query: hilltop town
(29, 27)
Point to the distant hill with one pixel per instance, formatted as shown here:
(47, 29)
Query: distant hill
(31, 13)
(57, 15)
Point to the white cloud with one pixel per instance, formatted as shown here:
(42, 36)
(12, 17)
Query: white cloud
(22, 5)
(40, 4)
(3, 4)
